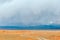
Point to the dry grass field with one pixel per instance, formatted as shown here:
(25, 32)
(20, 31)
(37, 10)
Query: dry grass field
(29, 35)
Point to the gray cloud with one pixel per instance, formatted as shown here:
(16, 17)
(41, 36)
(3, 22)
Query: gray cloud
(29, 12)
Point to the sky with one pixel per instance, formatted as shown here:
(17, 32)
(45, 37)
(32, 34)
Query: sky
(29, 12)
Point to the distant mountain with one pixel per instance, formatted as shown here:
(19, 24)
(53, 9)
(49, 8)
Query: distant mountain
(37, 27)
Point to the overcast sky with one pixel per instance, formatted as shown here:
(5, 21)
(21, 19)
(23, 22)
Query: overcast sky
(29, 12)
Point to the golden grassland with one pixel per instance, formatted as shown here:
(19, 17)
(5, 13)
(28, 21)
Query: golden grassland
(29, 34)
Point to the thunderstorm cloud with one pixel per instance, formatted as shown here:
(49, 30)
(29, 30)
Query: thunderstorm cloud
(29, 12)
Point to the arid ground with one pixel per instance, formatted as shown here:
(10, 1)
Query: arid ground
(29, 34)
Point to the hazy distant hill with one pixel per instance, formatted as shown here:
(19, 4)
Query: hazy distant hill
(39, 27)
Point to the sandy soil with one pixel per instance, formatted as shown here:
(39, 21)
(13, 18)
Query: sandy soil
(29, 34)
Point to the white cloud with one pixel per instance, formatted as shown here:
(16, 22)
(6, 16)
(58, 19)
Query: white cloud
(29, 12)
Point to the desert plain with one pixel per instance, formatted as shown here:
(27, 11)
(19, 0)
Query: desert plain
(29, 34)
